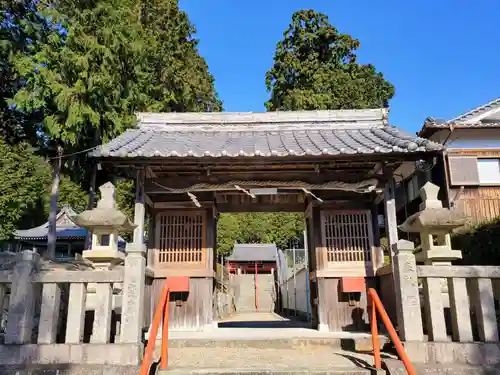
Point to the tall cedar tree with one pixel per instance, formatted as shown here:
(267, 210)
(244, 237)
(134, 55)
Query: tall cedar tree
(99, 62)
(181, 81)
(105, 60)
(22, 30)
(315, 68)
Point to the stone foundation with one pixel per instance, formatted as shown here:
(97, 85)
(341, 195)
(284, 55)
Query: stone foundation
(474, 353)
(62, 354)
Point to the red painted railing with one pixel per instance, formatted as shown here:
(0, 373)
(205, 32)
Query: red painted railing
(172, 284)
(376, 304)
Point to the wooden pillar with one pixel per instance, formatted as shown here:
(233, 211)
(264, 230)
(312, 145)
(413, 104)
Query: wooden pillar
(378, 254)
(391, 223)
(319, 292)
(317, 240)
(210, 238)
(140, 210)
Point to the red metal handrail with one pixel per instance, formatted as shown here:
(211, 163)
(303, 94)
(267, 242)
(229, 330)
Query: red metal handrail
(172, 284)
(376, 304)
(161, 313)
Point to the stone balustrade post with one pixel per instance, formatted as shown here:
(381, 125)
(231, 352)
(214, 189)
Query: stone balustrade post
(21, 313)
(407, 294)
(134, 286)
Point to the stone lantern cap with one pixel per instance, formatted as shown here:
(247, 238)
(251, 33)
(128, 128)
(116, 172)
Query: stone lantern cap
(433, 217)
(105, 215)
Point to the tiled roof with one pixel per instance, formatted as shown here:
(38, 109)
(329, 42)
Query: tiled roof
(263, 134)
(494, 104)
(468, 120)
(65, 229)
(253, 253)
(431, 125)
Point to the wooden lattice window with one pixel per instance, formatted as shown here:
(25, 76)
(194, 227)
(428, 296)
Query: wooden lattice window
(181, 238)
(347, 236)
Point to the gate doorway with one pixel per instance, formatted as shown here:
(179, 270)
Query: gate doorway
(256, 277)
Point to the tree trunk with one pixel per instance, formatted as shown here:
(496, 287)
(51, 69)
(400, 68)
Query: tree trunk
(54, 194)
(90, 205)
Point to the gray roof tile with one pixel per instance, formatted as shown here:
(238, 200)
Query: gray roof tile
(477, 111)
(244, 252)
(262, 134)
(431, 125)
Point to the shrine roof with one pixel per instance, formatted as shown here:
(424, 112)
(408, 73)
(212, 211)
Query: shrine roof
(295, 133)
(251, 252)
(65, 228)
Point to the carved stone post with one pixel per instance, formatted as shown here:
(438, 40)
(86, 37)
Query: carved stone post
(20, 318)
(407, 294)
(133, 294)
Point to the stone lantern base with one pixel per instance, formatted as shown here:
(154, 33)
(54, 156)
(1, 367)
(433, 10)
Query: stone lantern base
(103, 258)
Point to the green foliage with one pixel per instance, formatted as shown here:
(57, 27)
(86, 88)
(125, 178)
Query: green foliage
(21, 31)
(315, 68)
(70, 194)
(73, 73)
(125, 197)
(82, 77)
(278, 228)
(228, 228)
(22, 177)
(107, 60)
(479, 244)
(25, 182)
(125, 200)
(179, 78)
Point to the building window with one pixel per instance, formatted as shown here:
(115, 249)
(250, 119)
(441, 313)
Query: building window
(489, 171)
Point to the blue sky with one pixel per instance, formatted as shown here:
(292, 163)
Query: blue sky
(443, 56)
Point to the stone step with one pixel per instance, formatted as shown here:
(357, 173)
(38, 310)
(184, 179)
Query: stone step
(358, 344)
(62, 369)
(396, 367)
(234, 360)
(265, 371)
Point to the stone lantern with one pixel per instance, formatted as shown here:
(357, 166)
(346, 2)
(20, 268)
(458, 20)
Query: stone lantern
(104, 221)
(435, 224)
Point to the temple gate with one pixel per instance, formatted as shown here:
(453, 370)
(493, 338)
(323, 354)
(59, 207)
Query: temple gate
(336, 166)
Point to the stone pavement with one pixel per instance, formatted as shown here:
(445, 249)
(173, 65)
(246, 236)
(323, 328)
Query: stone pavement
(265, 326)
(258, 343)
(267, 359)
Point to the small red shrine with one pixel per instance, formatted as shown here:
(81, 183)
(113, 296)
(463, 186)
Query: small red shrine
(252, 258)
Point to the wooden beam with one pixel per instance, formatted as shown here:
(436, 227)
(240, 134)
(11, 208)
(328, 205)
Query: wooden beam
(162, 186)
(181, 161)
(150, 173)
(148, 200)
(182, 205)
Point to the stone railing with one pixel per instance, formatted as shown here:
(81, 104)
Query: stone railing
(423, 294)
(48, 319)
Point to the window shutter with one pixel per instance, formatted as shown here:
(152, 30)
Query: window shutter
(463, 170)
